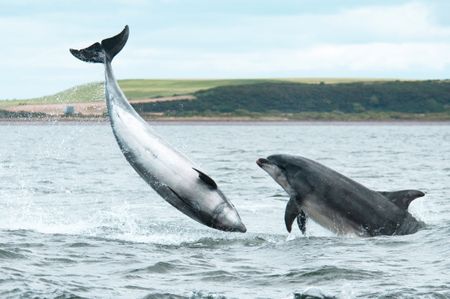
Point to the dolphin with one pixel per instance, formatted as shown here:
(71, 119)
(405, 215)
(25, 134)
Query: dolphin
(172, 175)
(338, 203)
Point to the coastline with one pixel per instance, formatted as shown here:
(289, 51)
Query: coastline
(222, 121)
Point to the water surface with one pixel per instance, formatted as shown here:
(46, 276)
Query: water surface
(77, 221)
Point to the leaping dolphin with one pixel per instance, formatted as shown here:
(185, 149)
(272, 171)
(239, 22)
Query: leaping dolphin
(170, 173)
(337, 202)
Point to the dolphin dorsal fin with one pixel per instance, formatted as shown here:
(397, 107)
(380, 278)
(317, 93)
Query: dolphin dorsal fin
(293, 211)
(206, 179)
(402, 198)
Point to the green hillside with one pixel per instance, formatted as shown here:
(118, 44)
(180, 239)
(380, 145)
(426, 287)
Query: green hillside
(333, 99)
(141, 89)
(151, 88)
(91, 92)
(283, 97)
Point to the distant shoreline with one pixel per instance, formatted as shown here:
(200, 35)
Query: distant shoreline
(221, 121)
(248, 101)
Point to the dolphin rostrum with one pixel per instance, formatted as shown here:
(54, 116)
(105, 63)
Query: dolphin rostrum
(170, 173)
(337, 202)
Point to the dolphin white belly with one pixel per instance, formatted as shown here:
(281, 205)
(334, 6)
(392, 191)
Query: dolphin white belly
(329, 218)
(169, 172)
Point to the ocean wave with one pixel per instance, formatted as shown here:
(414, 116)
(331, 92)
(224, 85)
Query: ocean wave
(193, 295)
(18, 293)
(313, 293)
(324, 273)
(163, 296)
(162, 267)
(210, 242)
(6, 254)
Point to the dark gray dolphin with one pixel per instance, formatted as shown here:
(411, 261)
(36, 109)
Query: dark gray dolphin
(169, 172)
(337, 202)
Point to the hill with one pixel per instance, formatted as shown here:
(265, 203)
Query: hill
(290, 97)
(325, 99)
(137, 89)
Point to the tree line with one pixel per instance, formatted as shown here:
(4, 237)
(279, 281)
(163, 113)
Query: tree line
(285, 97)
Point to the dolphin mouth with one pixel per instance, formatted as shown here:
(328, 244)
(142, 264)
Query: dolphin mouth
(225, 219)
(262, 161)
(237, 227)
(228, 220)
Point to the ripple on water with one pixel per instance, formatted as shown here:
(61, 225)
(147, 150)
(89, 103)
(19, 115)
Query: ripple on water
(409, 293)
(325, 273)
(313, 293)
(215, 243)
(81, 244)
(7, 254)
(194, 295)
(162, 267)
(217, 275)
(163, 296)
(60, 260)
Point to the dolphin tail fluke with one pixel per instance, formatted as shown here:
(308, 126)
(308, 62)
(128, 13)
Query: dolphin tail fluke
(105, 51)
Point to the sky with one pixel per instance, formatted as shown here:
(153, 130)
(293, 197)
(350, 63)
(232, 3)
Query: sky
(222, 39)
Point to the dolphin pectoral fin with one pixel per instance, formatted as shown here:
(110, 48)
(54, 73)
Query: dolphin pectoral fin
(291, 212)
(206, 179)
(179, 202)
(184, 205)
(402, 198)
(301, 221)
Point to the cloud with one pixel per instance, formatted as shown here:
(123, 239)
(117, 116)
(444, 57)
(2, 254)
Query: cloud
(326, 59)
(385, 40)
(410, 22)
(392, 40)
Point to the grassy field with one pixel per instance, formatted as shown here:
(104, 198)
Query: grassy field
(93, 94)
(141, 89)
(152, 88)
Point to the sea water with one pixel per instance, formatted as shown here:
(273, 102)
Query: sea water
(76, 221)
